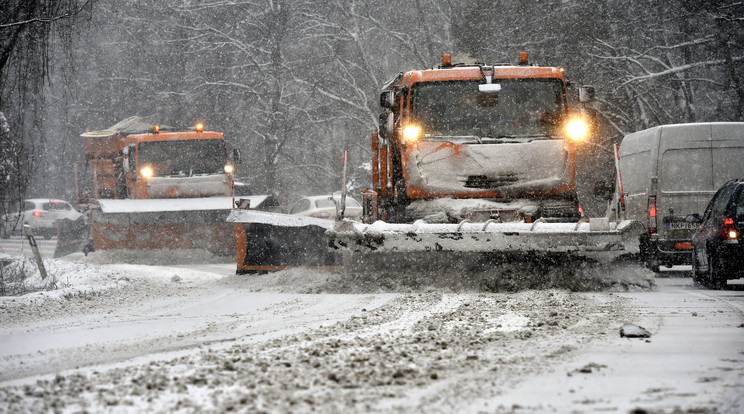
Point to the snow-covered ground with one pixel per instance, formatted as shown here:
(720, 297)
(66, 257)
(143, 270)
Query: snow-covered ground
(133, 338)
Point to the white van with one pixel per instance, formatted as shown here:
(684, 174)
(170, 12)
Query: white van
(671, 171)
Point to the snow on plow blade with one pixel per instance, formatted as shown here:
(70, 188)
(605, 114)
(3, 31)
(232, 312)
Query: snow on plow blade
(268, 241)
(193, 223)
(598, 238)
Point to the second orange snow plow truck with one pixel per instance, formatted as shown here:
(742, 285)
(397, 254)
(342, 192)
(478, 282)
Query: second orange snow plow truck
(473, 163)
(157, 187)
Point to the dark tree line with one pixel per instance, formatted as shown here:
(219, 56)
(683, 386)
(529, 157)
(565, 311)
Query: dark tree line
(31, 32)
(293, 83)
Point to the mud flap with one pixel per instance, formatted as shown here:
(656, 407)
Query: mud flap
(73, 236)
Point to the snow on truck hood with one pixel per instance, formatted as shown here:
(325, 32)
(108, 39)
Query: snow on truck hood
(174, 204)
(538, 165)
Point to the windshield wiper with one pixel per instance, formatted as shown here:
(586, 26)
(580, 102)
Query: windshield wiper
(517, 137)
(456, 139)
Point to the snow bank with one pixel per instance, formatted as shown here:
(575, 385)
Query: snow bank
(81, 276)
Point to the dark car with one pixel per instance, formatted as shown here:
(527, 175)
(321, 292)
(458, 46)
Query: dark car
(718, 244)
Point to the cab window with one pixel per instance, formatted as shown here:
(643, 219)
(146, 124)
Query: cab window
(299, 206)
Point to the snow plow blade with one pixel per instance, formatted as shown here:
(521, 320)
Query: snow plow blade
(423, 246)
(189, 223)
(582, 237)
(268, 241)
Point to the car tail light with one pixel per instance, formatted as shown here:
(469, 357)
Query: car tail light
(652, 215)
(727, 229)
(37, 213)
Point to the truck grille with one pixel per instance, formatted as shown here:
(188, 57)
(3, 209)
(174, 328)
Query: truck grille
(481, 181)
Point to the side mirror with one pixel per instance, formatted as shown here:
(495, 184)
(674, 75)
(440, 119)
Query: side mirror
(235, 155)
(693, 218)
(387, 99)
(586, 94)
(387, 123)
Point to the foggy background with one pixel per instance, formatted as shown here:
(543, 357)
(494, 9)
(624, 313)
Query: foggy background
(293, 83)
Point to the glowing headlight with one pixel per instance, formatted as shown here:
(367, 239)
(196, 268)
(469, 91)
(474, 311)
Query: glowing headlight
(577, 129)
(146, 172)
(229, 168)
(411, 133)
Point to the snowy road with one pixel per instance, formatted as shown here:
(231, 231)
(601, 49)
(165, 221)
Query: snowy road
(201, 338)
(19, 245)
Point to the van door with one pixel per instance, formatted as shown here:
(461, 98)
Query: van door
(728, 152)
(686, 184)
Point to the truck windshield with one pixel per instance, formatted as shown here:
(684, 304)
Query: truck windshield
(184, 157)
(522, 108)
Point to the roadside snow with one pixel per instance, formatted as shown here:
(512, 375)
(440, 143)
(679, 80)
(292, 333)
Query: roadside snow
(134, 338)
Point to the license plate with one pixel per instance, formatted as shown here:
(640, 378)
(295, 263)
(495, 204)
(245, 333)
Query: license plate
(683, 246)
(681, 225)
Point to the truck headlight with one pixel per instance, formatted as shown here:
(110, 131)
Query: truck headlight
(229, 169)
(577, 129)
(146, 172)
(411, 133)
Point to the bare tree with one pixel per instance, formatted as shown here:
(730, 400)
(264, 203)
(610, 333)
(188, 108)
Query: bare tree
(28, 31)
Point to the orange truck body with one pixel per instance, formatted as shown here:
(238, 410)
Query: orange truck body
(170, 207)
(486, 164)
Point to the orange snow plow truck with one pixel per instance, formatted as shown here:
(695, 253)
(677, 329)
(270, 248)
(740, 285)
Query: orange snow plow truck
(473, 163)
(156, 187)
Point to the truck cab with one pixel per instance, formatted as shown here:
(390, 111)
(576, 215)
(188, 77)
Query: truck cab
(493, 133)
(179, 164)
